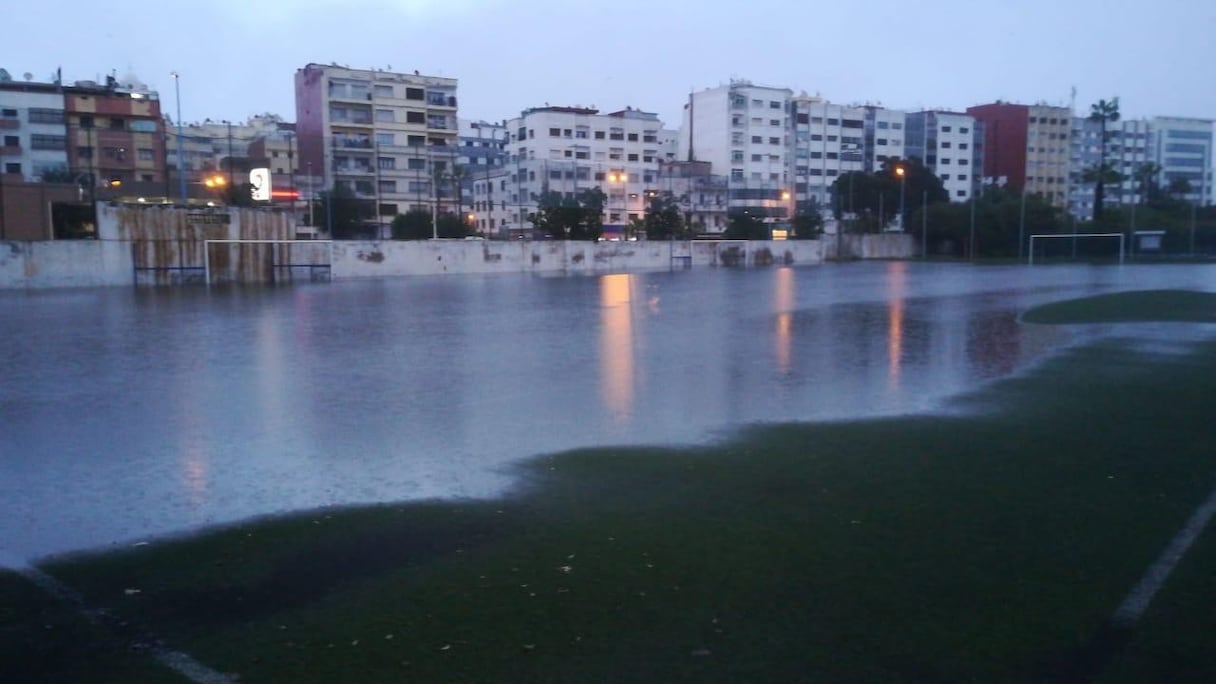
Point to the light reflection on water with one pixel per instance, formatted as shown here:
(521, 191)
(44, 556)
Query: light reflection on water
(131, 413)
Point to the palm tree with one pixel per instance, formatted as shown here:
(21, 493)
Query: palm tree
(1104, 112)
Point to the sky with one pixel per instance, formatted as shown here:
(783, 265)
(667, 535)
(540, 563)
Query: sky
(238, 57)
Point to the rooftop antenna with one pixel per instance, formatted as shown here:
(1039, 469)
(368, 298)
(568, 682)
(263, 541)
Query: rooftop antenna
(1072, 102)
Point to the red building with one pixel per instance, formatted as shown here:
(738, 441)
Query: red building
(115, 134)
(1005, 133)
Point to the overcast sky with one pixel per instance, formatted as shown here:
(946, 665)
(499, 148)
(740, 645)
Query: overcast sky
(238, 57)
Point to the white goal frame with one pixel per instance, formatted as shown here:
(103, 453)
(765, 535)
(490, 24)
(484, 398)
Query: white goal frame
(207, 251)
(1077, 235)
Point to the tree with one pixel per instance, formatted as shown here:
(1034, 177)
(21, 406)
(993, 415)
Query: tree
(1103, 112)
(741, 225)
(1179, 188)
(451, 225)
(591, 225)
(1147, 185)
(807, 223)
(414, 224)
(875, 196)
(344, 214)
(566, 217)
(59, 174)
(664, 220)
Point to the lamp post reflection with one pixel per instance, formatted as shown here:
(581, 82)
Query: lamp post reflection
(897, 287)
(783, 305)
(616, 345)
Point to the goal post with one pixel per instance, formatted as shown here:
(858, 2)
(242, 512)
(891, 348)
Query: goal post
(1119, 236)
(318, 256)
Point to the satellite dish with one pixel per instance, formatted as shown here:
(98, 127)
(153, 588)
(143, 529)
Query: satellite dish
(28, 76)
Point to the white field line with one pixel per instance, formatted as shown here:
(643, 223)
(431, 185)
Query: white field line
(1133, 607)
(177, 661)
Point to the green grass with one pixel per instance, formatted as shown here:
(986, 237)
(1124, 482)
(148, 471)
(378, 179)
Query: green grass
(42, 640)
(980, 548)
(1125, 307)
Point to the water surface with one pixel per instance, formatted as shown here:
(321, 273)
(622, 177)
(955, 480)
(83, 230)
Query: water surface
(129, 413)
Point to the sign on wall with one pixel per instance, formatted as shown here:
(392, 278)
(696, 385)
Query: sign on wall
(259, 179)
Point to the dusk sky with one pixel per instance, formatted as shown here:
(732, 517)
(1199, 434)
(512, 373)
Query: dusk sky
(238, 57)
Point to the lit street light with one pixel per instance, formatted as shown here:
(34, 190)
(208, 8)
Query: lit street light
(899, 171)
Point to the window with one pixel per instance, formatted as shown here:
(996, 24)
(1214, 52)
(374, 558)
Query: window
(633, 137)
(388, 186)
(145, 154)
(555, 132)
(415, 94)
(117, 124)
(774, 141)
(415, 117)
(387, 163)
(581, 154)
(384, 115)
(757, 157)
(1034, 119)
(42, 115)
(816, 155)
(945, 129)
(8, 113)
(82, 152)
(773, 104)
(897, 126)
(599, 135)
(756, 139)
(960, 193)
(852, 123)
(833, 155)
(736, 174)
(964, 129)
(816, 119)
(86, 122)
(757, 103)
(736, 155)
(384, 91)
(833, 138)
(816, 136)
(944, 161)
(833, 122)
(633, 157)
(883, 125)
(962, 146)
(12, 141)
(51, 142)
(145, 177)
(945, 144)
(945, 176)
(774, 122)
(388, 139)
(881, 141)
(962, 162)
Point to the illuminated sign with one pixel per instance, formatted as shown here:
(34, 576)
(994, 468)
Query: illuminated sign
(259, 180)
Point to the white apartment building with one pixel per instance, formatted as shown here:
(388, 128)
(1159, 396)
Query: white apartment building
(568, 150)
(949, 144)
(1183, 149)
(33, 138)
(388, 137)
(824, 147)
(743, 131)
(884, 135)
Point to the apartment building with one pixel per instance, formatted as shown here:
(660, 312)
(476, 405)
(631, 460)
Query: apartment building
(702, 196)
(390, 138)
(743, 130)
(116, 134)
(828, 140)
(1183, 149)
(950, 144)
(1128, 147)
(33, 138)
(568, 150)
(1027, 147)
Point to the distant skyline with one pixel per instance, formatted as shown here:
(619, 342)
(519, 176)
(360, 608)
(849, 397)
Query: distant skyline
(238, 58)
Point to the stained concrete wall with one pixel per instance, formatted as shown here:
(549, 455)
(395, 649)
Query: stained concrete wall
(870, 246)
(76, 263)
(376, 259)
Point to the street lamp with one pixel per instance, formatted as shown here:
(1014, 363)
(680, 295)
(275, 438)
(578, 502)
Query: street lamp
(902, 173)
(181, 159)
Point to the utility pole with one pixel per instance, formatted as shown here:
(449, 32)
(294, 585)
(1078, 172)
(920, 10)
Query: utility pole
(181, 157)
(971, 239)
(1022, 224)
(924, 224)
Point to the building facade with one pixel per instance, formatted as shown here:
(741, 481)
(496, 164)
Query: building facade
(389, 138)
(116, 135)
(1182, 147)
(743, 131)
(950, 144)
(1128, 148)
(568, 150)
(33, 137)
(1027, 148)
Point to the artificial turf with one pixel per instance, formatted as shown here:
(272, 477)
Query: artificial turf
(987, 544)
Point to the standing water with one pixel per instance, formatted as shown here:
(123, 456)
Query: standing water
(129, 413)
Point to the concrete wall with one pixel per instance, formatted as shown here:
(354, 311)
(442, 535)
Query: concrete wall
(76, 263)
(371, 259)
(870, 246)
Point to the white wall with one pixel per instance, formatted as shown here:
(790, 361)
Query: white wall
(75, 263)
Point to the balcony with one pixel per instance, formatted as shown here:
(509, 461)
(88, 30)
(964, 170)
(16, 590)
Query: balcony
(440, 100)
(10, 124)
(353, 170)
(10, 150)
